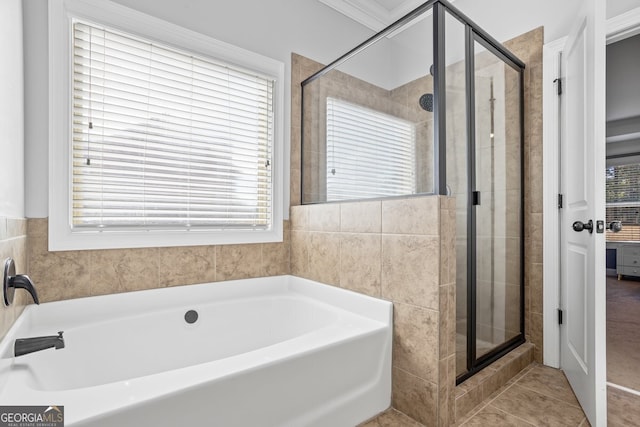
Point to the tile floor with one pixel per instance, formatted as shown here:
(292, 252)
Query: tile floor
(541, 396)
(623, 409)
(537, 396)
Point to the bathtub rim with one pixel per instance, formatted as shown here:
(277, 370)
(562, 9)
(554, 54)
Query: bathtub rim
(377, 310)
(127, 303)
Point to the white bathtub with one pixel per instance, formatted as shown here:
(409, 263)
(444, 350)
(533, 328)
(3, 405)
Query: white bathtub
(276, 351)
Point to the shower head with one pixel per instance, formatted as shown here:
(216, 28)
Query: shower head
(426, 102)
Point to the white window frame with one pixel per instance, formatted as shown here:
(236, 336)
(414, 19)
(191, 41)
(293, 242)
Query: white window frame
(61, 234)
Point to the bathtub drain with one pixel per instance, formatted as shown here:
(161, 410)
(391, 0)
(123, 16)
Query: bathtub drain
(191, 316)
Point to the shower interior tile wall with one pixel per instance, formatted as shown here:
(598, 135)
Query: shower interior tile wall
(528, 47)
(400, 102)
(13, 244)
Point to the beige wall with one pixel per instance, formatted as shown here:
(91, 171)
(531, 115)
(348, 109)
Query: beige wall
(13, 244)
(73, 274)
(401, 250)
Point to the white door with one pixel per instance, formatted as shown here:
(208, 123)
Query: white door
(583, 341)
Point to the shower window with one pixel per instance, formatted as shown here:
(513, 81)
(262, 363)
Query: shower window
(369, 153)
(367, 121)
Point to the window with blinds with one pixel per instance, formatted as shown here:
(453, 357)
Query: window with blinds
(369, 153)
(165, 139)
(623, 201)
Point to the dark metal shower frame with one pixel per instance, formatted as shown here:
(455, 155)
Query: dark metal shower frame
(473, 33)
(474, 363)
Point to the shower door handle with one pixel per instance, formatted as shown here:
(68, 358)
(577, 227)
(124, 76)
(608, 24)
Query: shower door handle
(579, 226)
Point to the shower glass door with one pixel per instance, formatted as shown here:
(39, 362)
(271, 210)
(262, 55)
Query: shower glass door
(498, 210)
(498, 201)
(485, 171)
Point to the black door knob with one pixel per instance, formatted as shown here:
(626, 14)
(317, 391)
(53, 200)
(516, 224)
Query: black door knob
(615, 226)
(579, 226)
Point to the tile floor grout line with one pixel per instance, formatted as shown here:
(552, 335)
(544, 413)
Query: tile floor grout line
(506, 388)
(514, 416)
(525, 371)
(558, 400)
(485, 403)
(552, 397)
(490, 406)
(403, 415)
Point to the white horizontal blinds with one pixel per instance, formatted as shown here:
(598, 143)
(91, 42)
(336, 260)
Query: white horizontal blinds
(369, 153)
(165, 139)
(623, 201)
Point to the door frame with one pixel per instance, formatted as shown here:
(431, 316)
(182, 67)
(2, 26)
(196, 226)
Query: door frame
(618, 28)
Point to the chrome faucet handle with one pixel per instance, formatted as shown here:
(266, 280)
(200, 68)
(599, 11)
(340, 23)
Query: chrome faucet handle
(11, 281)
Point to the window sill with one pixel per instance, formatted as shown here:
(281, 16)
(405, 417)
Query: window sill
(61, 238)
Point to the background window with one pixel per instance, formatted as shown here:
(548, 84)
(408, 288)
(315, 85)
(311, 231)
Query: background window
(623, 201)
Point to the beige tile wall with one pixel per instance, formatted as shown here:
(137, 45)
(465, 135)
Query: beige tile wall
(73, 274)
(13, 244)
(401, 250)
(528, 47)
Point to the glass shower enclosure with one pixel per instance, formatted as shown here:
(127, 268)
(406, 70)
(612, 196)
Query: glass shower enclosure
(433, 105)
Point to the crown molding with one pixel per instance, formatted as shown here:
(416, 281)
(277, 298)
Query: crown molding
(371, 13)
(623, 26)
